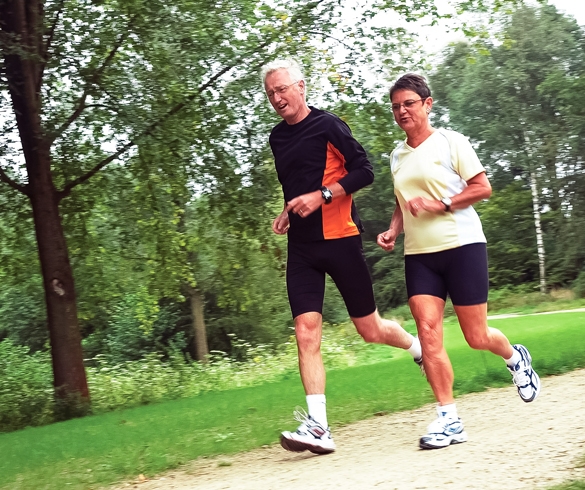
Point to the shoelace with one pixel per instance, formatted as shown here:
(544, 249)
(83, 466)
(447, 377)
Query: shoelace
(439, 426)
(301, 416)
(521, 377)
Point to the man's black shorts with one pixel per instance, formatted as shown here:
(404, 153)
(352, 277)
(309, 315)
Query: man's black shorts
(460, 272)
(343, 259)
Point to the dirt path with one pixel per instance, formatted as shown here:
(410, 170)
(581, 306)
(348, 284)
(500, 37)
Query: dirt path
(512, 446)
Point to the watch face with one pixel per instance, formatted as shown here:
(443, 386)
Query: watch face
(327, 194)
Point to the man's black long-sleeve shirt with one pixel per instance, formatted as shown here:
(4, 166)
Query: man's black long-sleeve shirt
(319, 151)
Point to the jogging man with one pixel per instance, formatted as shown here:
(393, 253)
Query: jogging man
(320, 165)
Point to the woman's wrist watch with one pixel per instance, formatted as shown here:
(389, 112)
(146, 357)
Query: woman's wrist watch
(447, 203)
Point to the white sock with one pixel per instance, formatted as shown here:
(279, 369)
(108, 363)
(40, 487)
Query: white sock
(449, 411)
(318, 409)
(515, 359)
(415, 349)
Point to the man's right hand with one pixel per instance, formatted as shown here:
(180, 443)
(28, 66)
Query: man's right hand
(281, 223)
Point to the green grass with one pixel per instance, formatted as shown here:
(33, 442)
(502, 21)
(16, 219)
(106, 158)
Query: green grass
(95, 451)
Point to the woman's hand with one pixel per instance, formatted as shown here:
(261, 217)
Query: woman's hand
(387, 240)
(420, 204)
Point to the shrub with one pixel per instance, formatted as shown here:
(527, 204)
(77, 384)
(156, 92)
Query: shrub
(26, 387)
(579, 285)
(26, 391)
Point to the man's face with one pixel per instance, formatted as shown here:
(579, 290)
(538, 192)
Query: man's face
(286, 96)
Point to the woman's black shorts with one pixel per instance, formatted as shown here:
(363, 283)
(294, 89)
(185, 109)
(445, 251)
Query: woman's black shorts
(460, 272)
(343, 259)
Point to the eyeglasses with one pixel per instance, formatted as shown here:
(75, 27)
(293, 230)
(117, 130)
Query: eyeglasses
(280, 90)
(407, 104)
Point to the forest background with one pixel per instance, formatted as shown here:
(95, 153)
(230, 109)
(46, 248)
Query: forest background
(137, 188)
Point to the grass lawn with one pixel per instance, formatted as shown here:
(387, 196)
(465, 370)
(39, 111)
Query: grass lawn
(95, 451)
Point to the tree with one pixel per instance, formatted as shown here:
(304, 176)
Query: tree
(88, 81)
(492, 93)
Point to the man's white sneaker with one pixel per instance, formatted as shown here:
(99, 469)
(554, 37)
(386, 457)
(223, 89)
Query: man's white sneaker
(524, 377)
(442, 433)
(310, 436)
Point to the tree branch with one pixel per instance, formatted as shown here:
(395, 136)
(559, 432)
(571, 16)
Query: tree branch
(15, 185)
(179, 107)
(106, 107)
(324, 34)
(90, 83)
(45, 51)
(81, 179)
(9, 129)
(152, 127)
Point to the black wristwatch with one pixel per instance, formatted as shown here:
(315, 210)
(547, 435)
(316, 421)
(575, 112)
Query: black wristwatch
(447, 203)
(327, 194)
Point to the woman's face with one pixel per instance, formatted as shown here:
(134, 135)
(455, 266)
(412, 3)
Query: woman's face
(410, 111)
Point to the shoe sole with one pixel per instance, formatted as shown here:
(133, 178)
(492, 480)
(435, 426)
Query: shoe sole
(299, 447)
(455, 439)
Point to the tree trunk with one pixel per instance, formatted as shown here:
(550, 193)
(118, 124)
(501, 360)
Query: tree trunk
(536, 213)
(539, 240)
(66, 352)
(22, 20)
(199, 330)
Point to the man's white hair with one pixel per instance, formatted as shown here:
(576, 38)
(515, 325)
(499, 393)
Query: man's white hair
(290, 65)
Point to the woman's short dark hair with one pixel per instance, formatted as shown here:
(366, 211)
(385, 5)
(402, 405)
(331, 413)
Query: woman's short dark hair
(414, 82)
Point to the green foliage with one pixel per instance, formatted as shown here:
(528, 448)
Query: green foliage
(26, 389)
(23, 315)
(161, 107)
(514, 298)
(509, 97)
(579, 285)
(25, 380)
(507, 222)
(127, 335)
(191, 203)
(526, 298)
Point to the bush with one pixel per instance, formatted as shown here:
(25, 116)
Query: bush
(515, 298)
(579, 285)
(26, 391)
(26, 387)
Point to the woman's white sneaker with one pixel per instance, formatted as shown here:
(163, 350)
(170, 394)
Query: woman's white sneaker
(524, 377)
(442, 433)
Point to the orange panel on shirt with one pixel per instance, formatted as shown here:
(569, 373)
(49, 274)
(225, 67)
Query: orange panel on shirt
(337, 221)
